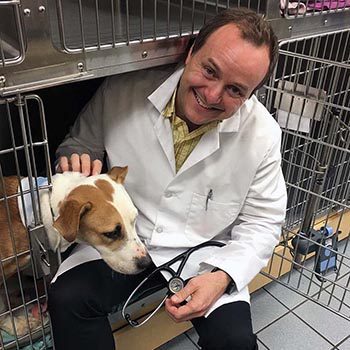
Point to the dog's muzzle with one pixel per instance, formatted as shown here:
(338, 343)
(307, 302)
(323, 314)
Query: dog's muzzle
(143, 262)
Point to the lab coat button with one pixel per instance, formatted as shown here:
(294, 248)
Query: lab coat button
(159, 229)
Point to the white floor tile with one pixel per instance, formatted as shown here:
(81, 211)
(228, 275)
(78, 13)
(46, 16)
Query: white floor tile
(265, 309)
(285, 295)
(289, 333)
(332, 326)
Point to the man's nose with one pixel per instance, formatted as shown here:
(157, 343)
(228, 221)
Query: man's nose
(213, 94)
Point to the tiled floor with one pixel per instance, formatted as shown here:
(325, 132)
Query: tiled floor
(285, 320)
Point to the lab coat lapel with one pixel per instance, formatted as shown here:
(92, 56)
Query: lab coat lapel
(163, 131)
(210, 141)
(207, 145)
(159, 98)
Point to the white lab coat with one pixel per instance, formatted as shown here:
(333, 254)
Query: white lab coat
(239, 161)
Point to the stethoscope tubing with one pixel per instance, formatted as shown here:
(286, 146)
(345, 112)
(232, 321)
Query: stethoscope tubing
(183, 257)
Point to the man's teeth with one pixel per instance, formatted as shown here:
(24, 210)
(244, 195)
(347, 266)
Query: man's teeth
(200, 101)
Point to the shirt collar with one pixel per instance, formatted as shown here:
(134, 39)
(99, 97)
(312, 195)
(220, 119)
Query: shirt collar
(169, 109)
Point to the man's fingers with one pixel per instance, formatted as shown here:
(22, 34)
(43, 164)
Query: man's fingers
(85, 164)
(183, 313)
(63, 165)
(96, 167)
(183, 294)
(81, 164)
(75, 162)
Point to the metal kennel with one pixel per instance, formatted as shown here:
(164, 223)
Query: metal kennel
(309, 95)
(50, 43)
(24, 152)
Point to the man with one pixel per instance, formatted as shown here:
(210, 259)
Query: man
(204, 163)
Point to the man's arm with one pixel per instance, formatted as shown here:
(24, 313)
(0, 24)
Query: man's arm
(83, 148)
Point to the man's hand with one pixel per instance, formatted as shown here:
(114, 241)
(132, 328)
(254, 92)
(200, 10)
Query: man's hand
(200, 292)
(81, 164)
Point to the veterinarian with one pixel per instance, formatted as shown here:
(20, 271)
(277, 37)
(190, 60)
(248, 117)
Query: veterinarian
(204, 163)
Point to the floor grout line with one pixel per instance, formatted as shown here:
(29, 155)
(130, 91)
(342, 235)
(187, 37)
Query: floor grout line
(341, 342)
(284, 314)
(291, 310)
(263, 344)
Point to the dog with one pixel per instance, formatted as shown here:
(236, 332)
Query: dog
(96, 210)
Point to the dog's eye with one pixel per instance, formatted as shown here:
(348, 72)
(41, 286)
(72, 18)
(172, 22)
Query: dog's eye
(114, 234)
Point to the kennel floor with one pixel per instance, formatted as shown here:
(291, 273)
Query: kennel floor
(285, 320)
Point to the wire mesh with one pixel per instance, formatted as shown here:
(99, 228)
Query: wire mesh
(90, 25)
(23, 286)
(309, 95)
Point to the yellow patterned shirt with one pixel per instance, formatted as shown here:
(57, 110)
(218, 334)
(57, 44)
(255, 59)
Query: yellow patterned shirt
(184, 141)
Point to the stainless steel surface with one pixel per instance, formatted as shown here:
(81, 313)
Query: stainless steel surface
(309, 95)
(41, 45)
(12, 46)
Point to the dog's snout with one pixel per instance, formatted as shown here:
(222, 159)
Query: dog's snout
(143, 262)
(141, 250)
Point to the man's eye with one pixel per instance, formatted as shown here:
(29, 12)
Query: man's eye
(209, 71)
(234, 91)
(114, 234)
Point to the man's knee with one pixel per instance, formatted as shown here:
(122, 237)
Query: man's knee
(229, 327)
(74, 296)
(233, 340)
(62, 297)
(83, 290)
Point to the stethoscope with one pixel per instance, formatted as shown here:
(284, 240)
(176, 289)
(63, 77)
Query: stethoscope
(175, 283)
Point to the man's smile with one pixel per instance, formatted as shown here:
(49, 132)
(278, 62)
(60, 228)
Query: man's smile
(203, 104)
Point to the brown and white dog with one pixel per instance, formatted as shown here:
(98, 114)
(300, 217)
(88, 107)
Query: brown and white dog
(95, 209)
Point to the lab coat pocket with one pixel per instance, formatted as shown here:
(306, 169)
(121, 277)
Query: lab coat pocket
(207, 218)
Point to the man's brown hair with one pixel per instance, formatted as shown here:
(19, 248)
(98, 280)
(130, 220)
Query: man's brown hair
(253, 27)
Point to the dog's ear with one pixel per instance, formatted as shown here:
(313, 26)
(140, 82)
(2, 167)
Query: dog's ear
(71, 211)
(118, 174)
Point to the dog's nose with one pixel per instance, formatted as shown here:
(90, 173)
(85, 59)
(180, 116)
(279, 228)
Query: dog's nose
(143, 262)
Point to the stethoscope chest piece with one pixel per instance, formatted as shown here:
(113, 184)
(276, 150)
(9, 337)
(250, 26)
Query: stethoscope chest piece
(175, 284)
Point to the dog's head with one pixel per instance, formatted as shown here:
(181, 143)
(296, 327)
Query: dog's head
(100, 212)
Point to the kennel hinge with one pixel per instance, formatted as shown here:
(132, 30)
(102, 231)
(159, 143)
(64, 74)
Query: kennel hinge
(40, 254)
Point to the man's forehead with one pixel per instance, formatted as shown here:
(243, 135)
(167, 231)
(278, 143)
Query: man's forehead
(229, 51)
(227, 31)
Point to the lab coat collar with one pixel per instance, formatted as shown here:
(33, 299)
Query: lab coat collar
(231, 124)
(160, 97)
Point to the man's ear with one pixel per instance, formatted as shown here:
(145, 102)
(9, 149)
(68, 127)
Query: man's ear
(118, 174)
(188, 57)
(67, 224)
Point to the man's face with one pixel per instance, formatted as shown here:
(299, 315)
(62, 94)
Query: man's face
(220, 76)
